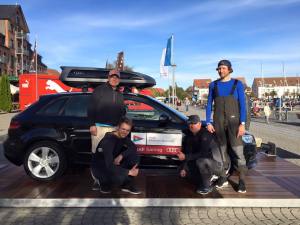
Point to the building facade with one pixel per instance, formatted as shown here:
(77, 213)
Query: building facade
(200, 89)
(270, 87)
(16, 55)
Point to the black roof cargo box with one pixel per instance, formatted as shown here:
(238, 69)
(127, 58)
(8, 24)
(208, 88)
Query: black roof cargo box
(85, 77)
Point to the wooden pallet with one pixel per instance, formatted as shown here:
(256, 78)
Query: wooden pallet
(273, 178)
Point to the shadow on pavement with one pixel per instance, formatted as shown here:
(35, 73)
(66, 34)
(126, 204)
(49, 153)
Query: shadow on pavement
(282, 153)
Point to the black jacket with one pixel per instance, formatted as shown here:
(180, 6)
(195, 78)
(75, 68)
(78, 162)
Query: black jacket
(199, 145)
(111, 146)
(106, 106)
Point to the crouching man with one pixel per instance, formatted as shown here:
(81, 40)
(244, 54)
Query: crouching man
(115, 161)
(201, 157)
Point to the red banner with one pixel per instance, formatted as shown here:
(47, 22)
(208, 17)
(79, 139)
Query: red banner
(158, 149)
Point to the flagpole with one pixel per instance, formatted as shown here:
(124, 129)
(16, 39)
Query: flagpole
(173, 84)
(262, 80)
(169, 87)
(173, 70)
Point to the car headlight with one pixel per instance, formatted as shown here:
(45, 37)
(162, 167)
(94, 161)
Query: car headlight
(248, 139)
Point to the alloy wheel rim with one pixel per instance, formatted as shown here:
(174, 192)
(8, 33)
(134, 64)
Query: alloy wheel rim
(43, 162)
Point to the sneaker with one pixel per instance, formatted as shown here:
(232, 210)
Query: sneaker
(214, 178)
(96, 186)
(242, 187)
(221, 182)
(104, 189)
(131, 189)
(204, 191)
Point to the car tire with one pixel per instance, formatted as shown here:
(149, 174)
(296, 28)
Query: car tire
(45, 161)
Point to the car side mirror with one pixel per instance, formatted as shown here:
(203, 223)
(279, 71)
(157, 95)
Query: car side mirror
(163, 119)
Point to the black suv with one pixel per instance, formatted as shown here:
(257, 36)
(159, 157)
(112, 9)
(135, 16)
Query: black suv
(54, 133)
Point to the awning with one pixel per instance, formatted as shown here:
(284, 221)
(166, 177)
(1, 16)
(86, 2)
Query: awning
(13, 78)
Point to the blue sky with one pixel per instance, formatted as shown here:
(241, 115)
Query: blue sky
(247, 32)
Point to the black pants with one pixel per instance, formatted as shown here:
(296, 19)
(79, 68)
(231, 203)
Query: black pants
(100, 172)
(226, 132)
(226, 123)
(201, 170)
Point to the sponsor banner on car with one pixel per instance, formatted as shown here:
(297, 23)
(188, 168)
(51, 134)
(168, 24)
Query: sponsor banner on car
(158, 149)
(156, 139)
(157, 143)
(164, 139)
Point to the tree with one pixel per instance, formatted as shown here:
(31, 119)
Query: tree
(181, 94)
(5, 95)
(155, 92)
(189, 91)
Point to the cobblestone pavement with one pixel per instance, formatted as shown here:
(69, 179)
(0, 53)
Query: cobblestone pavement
(151, 216)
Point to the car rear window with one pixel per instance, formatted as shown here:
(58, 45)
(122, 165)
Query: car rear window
(77, 106)
(53, 108)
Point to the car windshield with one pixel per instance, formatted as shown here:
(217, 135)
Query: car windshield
(179, 114)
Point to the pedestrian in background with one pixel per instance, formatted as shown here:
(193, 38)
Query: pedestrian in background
(187, 103)
(267, 112)
(178, 104)
(229, 116)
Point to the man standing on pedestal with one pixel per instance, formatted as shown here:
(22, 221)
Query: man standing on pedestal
(229, 116)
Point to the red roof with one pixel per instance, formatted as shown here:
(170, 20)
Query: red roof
(160, 90)
(202, 83)
(52, 72)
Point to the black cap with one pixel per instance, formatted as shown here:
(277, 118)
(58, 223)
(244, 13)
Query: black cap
(193, 119)
(225, 62)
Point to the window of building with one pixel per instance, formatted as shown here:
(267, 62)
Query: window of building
(12, 43)
(17, 20)
(12, 61)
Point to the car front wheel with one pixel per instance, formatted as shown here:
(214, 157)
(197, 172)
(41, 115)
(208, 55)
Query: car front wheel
(45, 161)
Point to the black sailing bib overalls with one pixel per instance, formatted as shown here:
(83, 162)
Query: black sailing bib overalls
(226, 123)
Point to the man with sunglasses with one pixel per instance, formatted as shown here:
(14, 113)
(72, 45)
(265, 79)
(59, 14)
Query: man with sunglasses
(115, 161)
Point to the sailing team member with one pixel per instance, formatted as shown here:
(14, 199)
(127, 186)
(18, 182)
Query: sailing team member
(201, 157)
(229, 116)
(115, 160)
(105, 109)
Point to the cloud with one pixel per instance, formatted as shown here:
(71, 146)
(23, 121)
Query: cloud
(208, 11)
